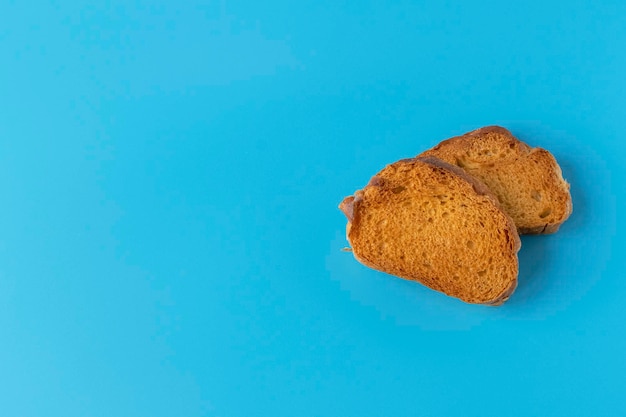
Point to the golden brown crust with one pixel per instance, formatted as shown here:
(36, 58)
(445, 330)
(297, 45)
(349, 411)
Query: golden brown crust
(527, 181)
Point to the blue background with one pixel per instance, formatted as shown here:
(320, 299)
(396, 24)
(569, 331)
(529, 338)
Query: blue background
(169, 234)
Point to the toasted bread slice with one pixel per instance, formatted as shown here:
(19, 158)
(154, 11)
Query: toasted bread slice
(425, 220)
(527, 181)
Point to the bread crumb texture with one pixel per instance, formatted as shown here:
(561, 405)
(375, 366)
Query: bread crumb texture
(423, 219)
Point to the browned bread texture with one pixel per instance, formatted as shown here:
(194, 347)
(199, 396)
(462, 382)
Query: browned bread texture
(527, 181)
(425, 220)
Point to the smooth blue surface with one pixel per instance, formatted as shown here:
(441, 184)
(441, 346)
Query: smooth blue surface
(169, 234)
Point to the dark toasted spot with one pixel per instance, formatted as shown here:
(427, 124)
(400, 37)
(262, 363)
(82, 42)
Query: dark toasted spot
(376, 181)
(545, 213)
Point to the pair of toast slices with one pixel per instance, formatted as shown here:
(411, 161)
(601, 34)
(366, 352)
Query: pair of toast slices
(450, 218)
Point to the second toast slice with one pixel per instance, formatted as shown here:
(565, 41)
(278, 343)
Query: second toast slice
(527, 181)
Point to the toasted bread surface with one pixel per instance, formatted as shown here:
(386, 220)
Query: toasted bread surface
(527, 182)
(426, 220)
